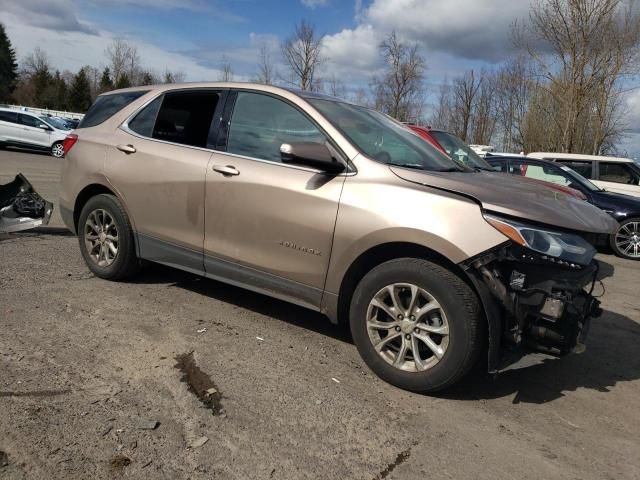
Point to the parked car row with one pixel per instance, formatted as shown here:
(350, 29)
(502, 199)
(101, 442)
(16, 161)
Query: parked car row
(28, 130)
(610, 183)
(435, 261)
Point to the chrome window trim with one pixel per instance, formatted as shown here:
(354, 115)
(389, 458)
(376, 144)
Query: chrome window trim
(125, 128)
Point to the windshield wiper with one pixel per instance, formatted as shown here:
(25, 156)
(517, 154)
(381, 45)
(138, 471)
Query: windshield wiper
(415, 166)
(450, 169)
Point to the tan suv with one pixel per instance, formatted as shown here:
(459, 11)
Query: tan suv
(340, 209)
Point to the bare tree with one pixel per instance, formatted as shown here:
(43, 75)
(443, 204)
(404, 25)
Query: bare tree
(123, 61)
(483, 119)
(226, 73)
(266, 69)
(36, 62)
(464, 91)
(583, 49)
(301, 53)
(173, 77)
(399, 92)
(336, 87)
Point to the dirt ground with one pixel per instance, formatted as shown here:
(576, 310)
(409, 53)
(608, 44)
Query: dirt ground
(173, 376)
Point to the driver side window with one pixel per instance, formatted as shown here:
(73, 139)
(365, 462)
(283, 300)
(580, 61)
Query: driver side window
(261, 123)
(29, 121)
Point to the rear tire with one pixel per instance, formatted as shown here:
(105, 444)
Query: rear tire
(57, 150)
(106, 238)
(626, 241)
(442, 321)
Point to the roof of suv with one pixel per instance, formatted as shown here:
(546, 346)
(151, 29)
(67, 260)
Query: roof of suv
(247, 85)
(576, 156)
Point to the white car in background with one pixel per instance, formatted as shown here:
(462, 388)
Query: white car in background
(24, 129)
(614, 174)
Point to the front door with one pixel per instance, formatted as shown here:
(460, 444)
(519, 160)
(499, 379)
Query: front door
(32, 134)
(158, 164)
(269, 226)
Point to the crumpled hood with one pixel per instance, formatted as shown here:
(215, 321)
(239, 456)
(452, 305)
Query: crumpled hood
(517, 197)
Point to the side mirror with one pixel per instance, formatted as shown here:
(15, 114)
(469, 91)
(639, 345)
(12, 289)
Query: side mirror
(310, 154)
(44, 127)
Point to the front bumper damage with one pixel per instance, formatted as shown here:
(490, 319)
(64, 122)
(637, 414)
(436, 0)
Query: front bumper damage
(21, 208)
(534, 303)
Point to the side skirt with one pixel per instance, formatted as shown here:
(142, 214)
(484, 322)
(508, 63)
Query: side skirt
(160, 251)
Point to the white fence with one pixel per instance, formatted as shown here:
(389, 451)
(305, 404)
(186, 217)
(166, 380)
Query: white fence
(47, 112)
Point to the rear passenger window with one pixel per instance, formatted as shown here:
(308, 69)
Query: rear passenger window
(616, 173)
(498, 166)
(106, 106)
(261, 123)
(184, 117)
(583, 168)
(10, 117)
(144, 121)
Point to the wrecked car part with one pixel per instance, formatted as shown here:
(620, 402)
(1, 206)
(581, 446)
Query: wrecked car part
(21, 207)
(548, 304)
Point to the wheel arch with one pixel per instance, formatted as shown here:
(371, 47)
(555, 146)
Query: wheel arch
(90, 191)
(379, 254)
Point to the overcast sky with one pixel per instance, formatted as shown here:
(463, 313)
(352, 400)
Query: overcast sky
(192, 36)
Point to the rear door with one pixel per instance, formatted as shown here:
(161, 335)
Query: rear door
(619, 177)
(32, 134)
(10, 127)
(269, 226)
(157, 161)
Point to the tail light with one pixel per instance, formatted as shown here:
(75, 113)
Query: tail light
(69, 142)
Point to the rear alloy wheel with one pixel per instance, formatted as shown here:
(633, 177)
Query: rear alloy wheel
(57, 150)
(626, 241)
(106, 238)
(416, 324)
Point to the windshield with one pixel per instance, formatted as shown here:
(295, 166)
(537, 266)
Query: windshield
(54, 122)
(383, 139)
(575, 176)
(458, 150)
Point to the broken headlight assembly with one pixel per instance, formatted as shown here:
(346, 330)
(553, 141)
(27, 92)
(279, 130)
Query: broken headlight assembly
(562, 248)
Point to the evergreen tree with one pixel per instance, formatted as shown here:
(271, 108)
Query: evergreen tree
(123, 81)
(80, 92)
(61, 92)
(105, 82)
(8, 67)
(44, 96)
(147, 79)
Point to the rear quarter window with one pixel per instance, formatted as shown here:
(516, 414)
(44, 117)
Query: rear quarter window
(10, 117)
(106, 106)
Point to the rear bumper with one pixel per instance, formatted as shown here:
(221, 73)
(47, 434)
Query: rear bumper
(67, 217)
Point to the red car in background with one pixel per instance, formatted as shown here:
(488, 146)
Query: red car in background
(456, 149)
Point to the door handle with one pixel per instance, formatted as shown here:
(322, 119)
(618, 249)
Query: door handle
(226, 170)
(127, 149)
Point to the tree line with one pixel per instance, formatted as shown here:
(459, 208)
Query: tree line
(562, 90)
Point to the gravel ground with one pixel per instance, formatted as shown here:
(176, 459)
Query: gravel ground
(102, 380)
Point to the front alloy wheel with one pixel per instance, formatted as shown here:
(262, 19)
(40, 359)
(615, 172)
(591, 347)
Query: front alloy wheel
(626, 241)
(407, 327)
(57, 150)
(417, 324)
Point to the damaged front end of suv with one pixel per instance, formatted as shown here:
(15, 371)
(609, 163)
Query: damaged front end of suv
(537, 289)
(21, 207)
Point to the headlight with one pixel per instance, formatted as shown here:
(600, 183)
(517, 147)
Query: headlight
(565, 246)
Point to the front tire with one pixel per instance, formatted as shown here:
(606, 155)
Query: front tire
(106, 238)
(416, 324)
(57, 150)
(626, 241)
